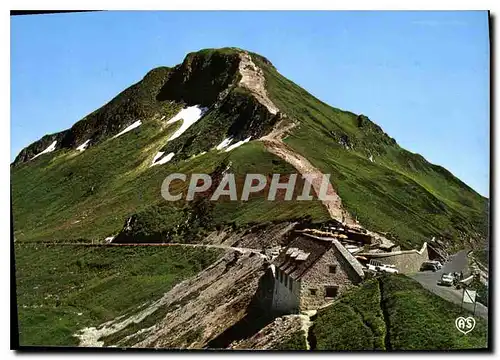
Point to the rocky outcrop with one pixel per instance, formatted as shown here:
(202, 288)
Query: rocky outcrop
(37, 147)
(196, 312)
(225, 81)
(264, 236)
(271, 336)
(201, 77)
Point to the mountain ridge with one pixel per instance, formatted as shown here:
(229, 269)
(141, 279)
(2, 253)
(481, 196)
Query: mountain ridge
(370, 170)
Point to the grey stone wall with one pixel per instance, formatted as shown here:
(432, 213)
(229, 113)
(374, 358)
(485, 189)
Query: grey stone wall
(285, 301)
(405, 262)
(319, 276)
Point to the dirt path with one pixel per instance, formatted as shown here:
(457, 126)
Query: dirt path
(240, 250)
(274, 144)
(252, 78)
(306, 322)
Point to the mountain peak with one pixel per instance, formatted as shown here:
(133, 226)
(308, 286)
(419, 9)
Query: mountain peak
(205, 78)
(228, 97)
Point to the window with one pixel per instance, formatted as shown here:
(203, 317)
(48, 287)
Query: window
(286, 280)
(331, 291)
(290, 283)
(332, 269)
(313, 291)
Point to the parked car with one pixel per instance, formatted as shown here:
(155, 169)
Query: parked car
(430, 265)
(391, 269)
(437, 263)
(373, 268)
(447, 280)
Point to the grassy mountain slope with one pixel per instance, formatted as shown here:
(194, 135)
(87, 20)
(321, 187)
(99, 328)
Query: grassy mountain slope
(394, 313)
(399, 192)
(62, 289)
(72, 196)
(66, 195)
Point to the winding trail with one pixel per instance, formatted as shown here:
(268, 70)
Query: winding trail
(240, 250)
(275, 145)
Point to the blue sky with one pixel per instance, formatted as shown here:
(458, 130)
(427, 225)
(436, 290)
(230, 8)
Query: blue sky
(422, 76)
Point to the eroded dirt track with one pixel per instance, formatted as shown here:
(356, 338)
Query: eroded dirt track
(275, 145)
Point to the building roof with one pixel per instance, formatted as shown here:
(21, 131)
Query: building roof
(305, 249)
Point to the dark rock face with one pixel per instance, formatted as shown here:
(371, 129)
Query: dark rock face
(258, 314)
(200, 78)
(238, 116)
(208, 78)
(361, 120)
(251, 118)
(369, 127)
(37, 147)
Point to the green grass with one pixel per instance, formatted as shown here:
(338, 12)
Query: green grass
(70, 196)
(482, 256)
(399, 193)
(163, 221)
(394, 313)
(354, 323)
(482, 291)
(56, 283)
(293, 342)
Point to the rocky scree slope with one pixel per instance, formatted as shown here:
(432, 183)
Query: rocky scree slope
(224, 302)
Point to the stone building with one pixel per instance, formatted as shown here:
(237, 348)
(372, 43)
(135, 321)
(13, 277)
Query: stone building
(312, 271)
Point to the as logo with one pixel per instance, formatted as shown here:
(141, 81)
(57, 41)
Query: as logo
(465, 325)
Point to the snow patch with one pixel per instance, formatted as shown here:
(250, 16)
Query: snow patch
(109, 239)
(371, 158)
(224, 143)
(83, 146)
(239, 143)
(51, 148)
(189, 116)
(157, 156)
(128, 128)
(196, 155)
(164, 160)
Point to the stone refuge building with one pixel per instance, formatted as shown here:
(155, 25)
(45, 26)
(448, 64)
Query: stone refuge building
(368, 246)
(312, 271)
